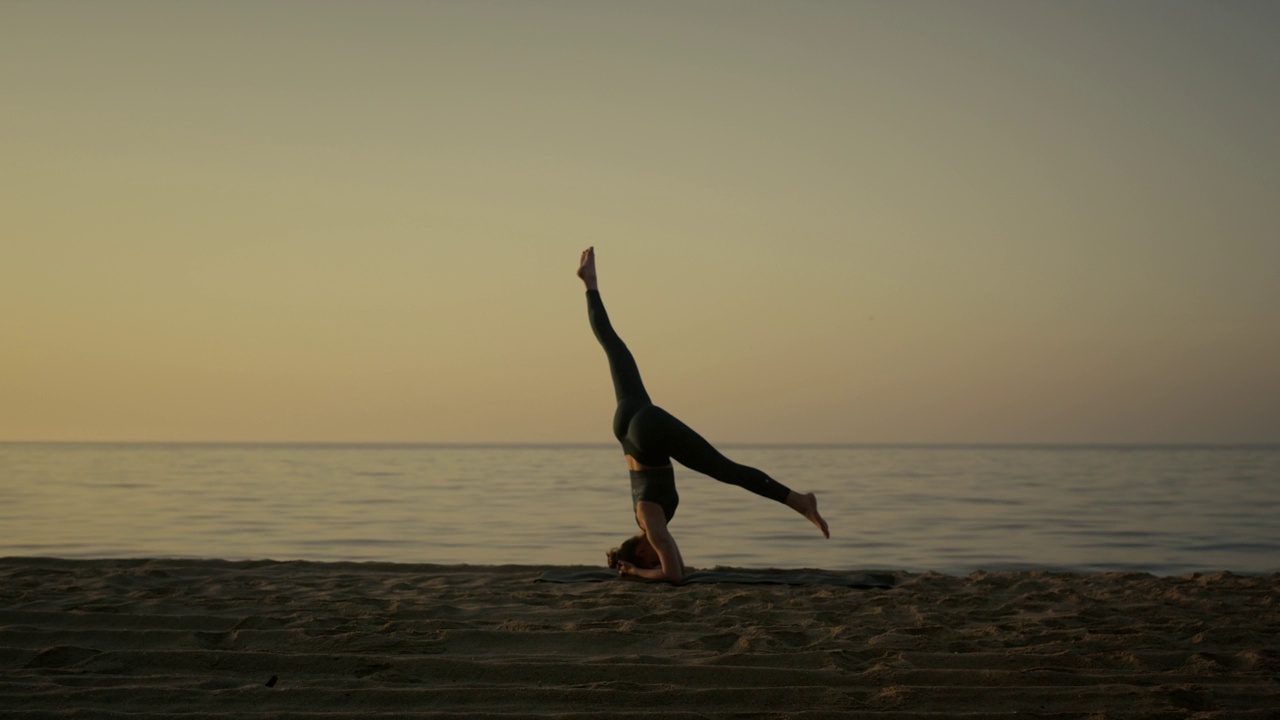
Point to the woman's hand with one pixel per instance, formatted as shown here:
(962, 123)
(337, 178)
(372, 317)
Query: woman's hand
(631, 570)
(657, 574)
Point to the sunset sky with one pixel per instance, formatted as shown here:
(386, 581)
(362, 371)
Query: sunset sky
(816, 222)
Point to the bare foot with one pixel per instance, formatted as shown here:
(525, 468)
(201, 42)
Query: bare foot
(807, 505)
(587, 268)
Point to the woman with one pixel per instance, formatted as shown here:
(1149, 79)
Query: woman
(651, 437)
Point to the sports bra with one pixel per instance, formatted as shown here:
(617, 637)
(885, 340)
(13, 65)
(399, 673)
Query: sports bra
(656, 485)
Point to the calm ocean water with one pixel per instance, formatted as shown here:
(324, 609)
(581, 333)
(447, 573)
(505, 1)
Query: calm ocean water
(1164, 510)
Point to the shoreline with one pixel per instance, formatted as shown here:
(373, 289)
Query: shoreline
(162, 637)
(540, 568)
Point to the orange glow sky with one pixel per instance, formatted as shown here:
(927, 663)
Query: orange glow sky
(816, 222)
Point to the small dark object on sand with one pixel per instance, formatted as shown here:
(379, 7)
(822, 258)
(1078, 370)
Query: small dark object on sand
(272, 681)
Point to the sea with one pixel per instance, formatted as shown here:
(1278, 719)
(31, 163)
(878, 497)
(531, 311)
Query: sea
(1164, 510)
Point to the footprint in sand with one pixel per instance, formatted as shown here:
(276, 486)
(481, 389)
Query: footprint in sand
(61, 656)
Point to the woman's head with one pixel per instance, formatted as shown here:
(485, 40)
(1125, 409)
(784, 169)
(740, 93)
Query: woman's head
(635, 550)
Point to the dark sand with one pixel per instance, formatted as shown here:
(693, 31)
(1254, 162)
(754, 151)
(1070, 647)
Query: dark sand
(195, 639)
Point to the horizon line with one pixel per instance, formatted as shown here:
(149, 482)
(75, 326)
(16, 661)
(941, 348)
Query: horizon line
(595, 445)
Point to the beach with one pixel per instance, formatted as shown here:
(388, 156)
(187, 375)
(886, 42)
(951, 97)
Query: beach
(208, 638)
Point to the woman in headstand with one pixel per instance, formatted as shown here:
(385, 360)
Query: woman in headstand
(651, 438)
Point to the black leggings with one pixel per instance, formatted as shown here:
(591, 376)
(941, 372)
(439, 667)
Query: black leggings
(654, 436)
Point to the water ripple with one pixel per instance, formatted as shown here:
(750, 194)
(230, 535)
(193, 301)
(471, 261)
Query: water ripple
(952, 509)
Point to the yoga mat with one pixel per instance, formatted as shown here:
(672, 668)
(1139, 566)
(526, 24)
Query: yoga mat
(853, 579)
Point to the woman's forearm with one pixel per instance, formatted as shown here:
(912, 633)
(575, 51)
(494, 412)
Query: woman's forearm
(653, 574)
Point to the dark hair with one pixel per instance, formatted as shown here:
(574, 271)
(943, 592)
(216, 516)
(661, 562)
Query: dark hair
(626, 552)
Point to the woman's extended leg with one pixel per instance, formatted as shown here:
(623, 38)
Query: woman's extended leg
(656, 426)
(691, 450)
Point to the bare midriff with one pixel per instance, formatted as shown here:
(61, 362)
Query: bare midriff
(633, 464)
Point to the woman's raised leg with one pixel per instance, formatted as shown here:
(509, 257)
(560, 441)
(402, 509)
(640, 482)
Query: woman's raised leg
(622, 366)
